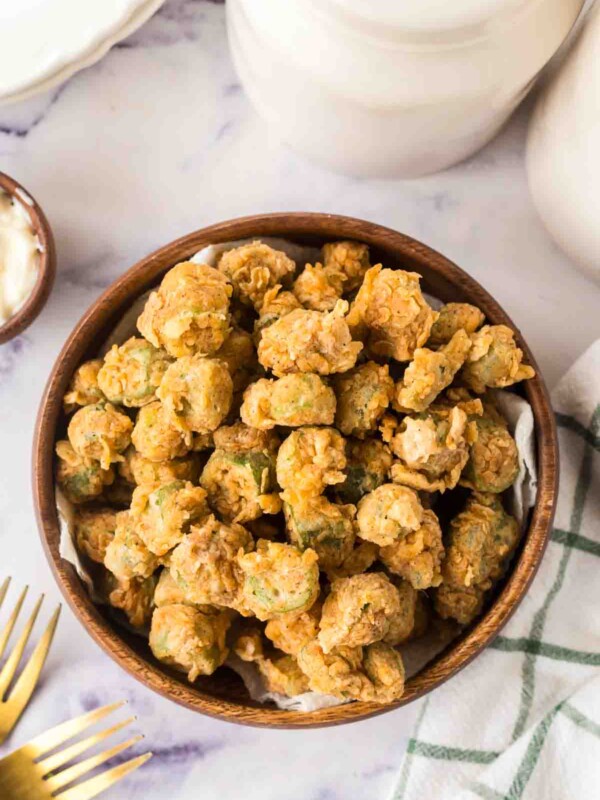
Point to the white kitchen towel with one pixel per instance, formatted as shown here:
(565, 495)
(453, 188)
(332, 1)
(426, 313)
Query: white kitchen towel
(522, 722)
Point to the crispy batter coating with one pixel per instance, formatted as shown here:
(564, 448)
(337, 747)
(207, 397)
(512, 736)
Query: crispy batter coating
(131, 373)
(494, 361)
(363, 394)
(389, 514)
(94, 531)
(241, 438)
(80, 478)
(189, 313)
(402, 624)
(162, 516)
(325, 527)
(255, 268)
(281, 673)
(430, 372)
(390, 313)
(493, 463)
(101, 432)
(204, 565)
(292, 401)
(241, 486)
(374, 674)
(290, 633)
(314, 289)
(126, 555)
(369, 462)
(279, 579)
(83, 389)
(455, 317)
(168, 592)
(240, 356)
(133, 597)
(311, 459)
(358, 611)
(481, 540)
(189, 639)
(156, 437)
(417, 557)
(276, 304)
(461, 603)
(309, 341)
(359, 560)
(346, 264)
(196, 393)
(137, 469)
(432, 448)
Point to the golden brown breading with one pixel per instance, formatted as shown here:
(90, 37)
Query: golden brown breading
(417, 557)
(83, 389)
(363, 394)
(156, 437)
(311, 459)
(81, 479)
(255, 268)
(132, 372)
(292, 401)
(388, 514)
(325, 527)
(494, 361)
(455, 317)
(101, 432)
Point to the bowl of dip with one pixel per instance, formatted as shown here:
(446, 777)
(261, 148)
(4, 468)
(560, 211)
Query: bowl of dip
(27, 258)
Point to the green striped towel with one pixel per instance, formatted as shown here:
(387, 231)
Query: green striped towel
(523, 720)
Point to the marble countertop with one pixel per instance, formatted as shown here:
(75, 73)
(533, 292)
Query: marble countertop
(155, 141)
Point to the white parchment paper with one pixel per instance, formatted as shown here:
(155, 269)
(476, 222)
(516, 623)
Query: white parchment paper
(416, 655)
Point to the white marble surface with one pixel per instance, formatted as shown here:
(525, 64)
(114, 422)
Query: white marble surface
(157, 140)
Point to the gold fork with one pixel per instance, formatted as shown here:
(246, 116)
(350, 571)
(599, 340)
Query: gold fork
(32, 771)
(12, 704)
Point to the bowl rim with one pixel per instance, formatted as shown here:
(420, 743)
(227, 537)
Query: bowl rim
(47, 270)
(293, 225)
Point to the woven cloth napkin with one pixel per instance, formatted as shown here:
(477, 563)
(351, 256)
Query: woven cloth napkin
(523, 720)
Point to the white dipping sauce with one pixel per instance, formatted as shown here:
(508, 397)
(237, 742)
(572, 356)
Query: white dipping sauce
(392, 88)
(19, 256)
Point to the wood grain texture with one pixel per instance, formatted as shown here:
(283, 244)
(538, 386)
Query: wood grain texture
(223, 695)
(45, 280)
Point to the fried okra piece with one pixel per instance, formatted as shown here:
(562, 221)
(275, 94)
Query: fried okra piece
(310, 459)
(493, 463)
(156, 437)
(168, 592)
(276, 304)
(281, 673)
(494, 360)
(309, 341)
(196, 393)
(132, 372)
(138, 470)
(359, 610)
(417, 557)
(238, 353)
(81, 479)
(189, 639)
(369, 462)
(314, 289)
(481, 540)
(279, 579)
(346, 263)
(429, 373)
(390, 313)
(204, 565)
(290, 633)
(402, 624)
(255, 268)
(432, 448)
(359, 560)
(135, 598)
(363, 394)
(189, 313)
(389, 514)
(241, 438)
(373, 674)
(461, 603)
(241, 486)
(455, 317)
(94, 530)
(162, 516)
(101, 432)
(325, 527)
(126, 555)
(292, 401)
(83, 389)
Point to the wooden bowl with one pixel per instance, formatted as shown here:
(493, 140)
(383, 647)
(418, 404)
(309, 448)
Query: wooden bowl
(41, 290)
(223, 695)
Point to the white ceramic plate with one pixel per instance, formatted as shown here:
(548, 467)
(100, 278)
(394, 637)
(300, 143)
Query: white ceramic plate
(44, 42)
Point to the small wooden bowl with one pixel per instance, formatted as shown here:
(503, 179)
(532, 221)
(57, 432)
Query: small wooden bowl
(223, 694)
(41, 290)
